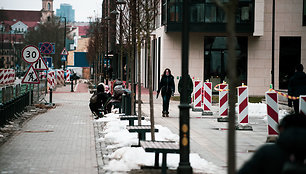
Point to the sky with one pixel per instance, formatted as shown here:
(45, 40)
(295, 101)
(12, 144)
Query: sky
(83, 8)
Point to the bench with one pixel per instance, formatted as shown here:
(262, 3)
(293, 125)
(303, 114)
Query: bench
(141, 130)
(131, 118)
(163, 147)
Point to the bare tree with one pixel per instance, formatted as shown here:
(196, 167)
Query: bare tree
(230, 9)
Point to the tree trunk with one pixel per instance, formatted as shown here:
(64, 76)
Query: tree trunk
(148, 42)
(139, 77)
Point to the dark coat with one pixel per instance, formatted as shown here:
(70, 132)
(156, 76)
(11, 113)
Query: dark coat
(297, 84)
(270, 158)
(166, 85)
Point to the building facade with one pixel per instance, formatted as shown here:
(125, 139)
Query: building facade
(208, 51)
(14, 24)
(66, 10)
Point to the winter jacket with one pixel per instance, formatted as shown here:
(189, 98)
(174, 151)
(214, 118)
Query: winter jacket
(270, 158)
(297, 84)
(166, 85)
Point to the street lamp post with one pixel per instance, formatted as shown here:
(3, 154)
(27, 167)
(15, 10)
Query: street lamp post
(64, 62)
(106, 71)
(184, 165)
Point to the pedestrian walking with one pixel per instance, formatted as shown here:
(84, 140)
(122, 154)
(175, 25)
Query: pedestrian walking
(297, 86)
(97, 101)
(167, 88)
(287, 155)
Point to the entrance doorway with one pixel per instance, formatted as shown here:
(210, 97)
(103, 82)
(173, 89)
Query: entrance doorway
(289, 57)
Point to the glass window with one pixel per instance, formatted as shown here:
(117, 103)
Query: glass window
(210, 13)
(197, 13)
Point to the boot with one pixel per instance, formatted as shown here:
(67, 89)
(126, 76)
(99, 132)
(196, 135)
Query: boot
(167, 114)
(164, 114)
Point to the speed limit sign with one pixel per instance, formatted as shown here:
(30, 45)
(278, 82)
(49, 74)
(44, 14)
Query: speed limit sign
(30, 54)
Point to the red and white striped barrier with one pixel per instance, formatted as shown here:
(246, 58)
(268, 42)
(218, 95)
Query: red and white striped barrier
(60, 77)
(51, 79)
(302, 105)
(207, 96)
(243, 101)
(197, 88)
(7, 76)
(68, 73)
(272, 111)
(43, 75)
(223, 100)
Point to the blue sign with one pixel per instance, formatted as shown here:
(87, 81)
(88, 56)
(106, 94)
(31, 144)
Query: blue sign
(48, 61)
(45, 48)
(64, 57)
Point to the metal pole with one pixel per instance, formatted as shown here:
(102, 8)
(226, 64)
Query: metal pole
(30, 95)
(121, 51)
(106, 70)
(65, 41)
(184, 165)
(273, 38)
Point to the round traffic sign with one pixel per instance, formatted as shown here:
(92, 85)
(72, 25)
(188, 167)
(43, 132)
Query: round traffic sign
(46, 48)
(30, 54)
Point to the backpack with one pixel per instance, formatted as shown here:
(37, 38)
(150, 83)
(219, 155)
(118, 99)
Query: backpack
(93, 98)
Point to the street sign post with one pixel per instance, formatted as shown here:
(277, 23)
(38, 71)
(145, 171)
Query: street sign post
(30, 54)
(40, 65)
(31, 77)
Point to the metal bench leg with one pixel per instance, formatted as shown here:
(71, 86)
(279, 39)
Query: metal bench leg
(164, 163)
(156, 165)
(131, 122)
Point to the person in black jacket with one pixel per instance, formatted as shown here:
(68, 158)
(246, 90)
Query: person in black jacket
(167, 88)
(297, 86)
(287, 155)
(97, 101)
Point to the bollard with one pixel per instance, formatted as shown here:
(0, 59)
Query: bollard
(207, 98)
(128, 104)
(71, 82)
(50, 100)
(223, 103)
(302, 105)
(272, 113)
(197, 88)
(123, 103)
(243, 110)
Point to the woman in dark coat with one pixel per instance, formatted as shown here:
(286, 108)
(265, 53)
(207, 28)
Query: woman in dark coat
(167, 88)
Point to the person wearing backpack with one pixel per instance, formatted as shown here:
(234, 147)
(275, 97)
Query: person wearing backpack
(287, 155)
(97, 101)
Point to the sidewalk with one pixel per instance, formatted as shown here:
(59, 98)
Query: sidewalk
(58, 141)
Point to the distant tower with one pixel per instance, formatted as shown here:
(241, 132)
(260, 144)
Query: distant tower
(47, 10)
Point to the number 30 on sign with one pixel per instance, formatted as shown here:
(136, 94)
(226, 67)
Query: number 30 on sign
(30, 54)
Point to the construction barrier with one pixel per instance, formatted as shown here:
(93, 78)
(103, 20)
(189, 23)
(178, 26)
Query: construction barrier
(51, 79)
(272, 112)
(68, 73)
(43, 75)
(223, 100)
(7, 76)
(197, 88)
(302, 105)
(60, 77)
(207, 96)
(243, 100)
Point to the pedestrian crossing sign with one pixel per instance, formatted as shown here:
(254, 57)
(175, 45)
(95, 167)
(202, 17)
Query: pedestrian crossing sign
(31, 77)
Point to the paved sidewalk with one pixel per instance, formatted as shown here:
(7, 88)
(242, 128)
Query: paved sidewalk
(208, 137)
(59, 141)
